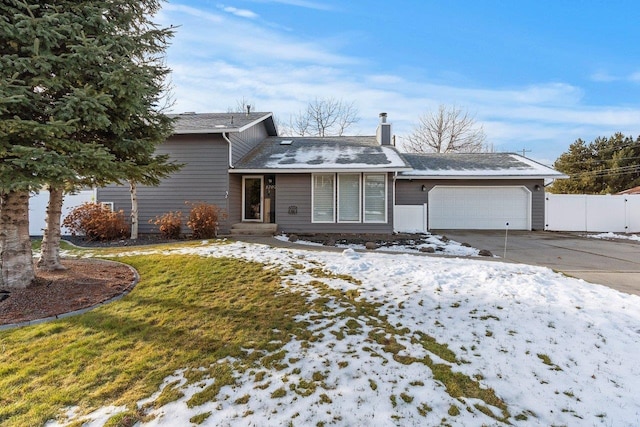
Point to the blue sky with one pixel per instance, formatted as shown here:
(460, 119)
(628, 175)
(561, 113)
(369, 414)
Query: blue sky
(536, 74)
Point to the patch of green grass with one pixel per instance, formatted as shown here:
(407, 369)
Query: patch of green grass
(453, 411)
(321, 273)
(281, 392)
(424, 409)
(200, 418)
(187, 311)
(373, 385)
(169, 394)
(123, 419)
(547, 361)
(394, 400)
(243, 400)
(325, 399)
(222, 374)
(407, 398)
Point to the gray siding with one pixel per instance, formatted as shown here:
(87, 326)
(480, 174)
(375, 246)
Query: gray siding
(204, 177)
(245, 141)
(295, 190)
(235, 198)
(410, 193)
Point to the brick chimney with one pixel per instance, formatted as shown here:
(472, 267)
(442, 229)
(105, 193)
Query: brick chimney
(383, 133)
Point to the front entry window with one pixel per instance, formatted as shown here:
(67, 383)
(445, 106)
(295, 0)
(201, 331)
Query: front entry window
(252, 198)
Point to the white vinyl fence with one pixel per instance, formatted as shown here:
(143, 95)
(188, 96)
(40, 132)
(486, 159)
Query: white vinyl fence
(592, 213)
(38, 208)
(410, 218)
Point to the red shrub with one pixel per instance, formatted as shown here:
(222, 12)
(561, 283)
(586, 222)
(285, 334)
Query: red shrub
(204, 219)
(97, 222)
(169, 224)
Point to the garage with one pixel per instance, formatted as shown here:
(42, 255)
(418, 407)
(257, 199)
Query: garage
(479, 207)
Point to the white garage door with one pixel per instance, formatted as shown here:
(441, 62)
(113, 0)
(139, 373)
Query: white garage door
(479, 208)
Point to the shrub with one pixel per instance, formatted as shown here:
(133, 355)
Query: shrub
(169, 224)
(96, 221)
(204, 219)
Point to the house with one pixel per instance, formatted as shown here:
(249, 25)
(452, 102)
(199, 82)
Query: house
(348, 184)
(208, 145)
(476, 190)
(633, 190)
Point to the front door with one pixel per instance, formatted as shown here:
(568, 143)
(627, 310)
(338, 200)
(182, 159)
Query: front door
(252, 209)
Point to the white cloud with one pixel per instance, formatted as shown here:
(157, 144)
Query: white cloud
(243, 13)
(603, 77)
(300, 3)
(635, 77)
(220, 58)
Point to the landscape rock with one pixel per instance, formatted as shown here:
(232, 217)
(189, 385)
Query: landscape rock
(427, 249)
(293, 237)
(371, 245)
(485, 252)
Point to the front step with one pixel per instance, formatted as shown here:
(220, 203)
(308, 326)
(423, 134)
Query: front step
(253, 229)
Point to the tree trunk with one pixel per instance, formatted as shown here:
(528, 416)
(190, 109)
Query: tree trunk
(16, 258)
(50, 249)
(134, 210)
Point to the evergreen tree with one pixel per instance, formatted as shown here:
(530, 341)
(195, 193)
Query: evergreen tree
(604, 166)
(77, 77)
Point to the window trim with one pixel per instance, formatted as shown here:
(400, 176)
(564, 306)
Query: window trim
(386, 199)
(361, 198)
(244, 194)
(360, 201)
(313, 198)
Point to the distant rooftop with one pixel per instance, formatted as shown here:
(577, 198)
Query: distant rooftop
(348, 153)
(478, 165)
(189, 123)
(634, 190)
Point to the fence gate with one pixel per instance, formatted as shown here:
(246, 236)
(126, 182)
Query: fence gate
(592, 213)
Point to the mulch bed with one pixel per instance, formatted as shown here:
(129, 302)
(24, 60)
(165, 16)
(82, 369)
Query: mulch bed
(85, 283)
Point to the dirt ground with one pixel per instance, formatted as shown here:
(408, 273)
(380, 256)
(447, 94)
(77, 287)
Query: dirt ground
(85, 282)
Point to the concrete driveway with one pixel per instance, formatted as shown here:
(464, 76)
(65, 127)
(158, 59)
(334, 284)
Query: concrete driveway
(607, 262)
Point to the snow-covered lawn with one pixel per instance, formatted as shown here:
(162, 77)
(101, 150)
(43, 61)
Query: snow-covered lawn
(610, 235)
(555, 350)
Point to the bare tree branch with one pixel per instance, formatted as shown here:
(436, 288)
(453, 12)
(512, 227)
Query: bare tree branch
(324, 117)
(448, 130)
(241, 106)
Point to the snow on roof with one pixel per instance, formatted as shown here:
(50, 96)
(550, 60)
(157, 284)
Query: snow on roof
(189, 123)
(315, 153)
(475, 165)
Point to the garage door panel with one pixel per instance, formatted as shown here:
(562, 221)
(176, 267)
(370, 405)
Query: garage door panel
(479, 208)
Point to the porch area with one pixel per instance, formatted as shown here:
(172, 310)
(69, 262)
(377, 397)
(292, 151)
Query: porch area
(253, 229)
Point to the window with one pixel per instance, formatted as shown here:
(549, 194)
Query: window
(349, 197)
(323, 198)
(375, 198)
(355, 197)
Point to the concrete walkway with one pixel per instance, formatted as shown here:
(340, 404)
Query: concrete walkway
(612, 263)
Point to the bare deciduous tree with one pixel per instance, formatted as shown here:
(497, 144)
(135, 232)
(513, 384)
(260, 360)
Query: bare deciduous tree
(323, 117)
(243, 105)
(448, 130)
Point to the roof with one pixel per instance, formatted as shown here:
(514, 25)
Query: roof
(475, 166)
(191, 123)
(634, 190)
(329, 154)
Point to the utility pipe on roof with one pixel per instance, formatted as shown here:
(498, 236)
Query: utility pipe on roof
(230, 150)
